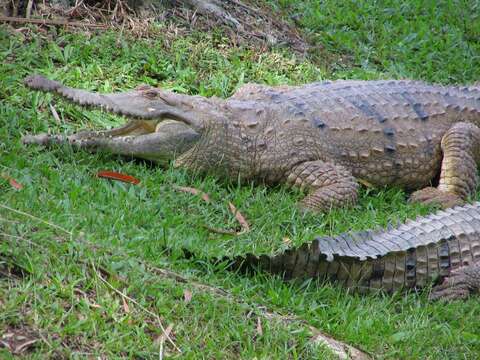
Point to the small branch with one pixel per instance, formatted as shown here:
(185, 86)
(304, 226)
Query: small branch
(37, 219)
(29, 9)
(51, 22)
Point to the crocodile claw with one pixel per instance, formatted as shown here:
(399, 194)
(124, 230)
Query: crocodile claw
(433, 196)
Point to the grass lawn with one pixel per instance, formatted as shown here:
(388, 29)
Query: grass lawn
(65, 279)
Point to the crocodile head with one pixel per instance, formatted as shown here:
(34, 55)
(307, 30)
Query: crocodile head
(171, 123)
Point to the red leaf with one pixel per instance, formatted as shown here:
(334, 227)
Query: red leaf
(118, 176)
(240, 218)
(13, 183)
(126, 308)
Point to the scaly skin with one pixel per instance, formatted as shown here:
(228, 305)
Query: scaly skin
(322, 137)
(442, 246)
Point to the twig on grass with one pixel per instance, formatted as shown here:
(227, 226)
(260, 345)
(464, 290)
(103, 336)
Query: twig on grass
(133, 301)
(51, 22)
(20, 212)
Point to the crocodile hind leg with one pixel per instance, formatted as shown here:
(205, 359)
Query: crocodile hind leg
(459, 284)
(458, 176)
(328, 185)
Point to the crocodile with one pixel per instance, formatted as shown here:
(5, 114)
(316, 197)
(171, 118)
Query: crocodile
(324, 138)
(441, 248)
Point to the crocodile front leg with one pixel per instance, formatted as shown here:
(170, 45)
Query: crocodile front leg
(459, 285)
(328, 185)
(458, 177)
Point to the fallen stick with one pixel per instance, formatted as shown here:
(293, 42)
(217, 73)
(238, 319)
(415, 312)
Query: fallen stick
(51, 22)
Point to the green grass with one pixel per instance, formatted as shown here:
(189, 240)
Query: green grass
(59, 294)
(431, 40)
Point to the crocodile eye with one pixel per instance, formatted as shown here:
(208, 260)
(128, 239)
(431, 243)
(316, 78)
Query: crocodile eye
(150, 94)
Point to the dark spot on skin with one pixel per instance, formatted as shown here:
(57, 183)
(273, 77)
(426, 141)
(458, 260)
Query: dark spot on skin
(378, 270)
(389, 131)
(416, 106)
(262, 146)
(318, 123)
(390, 148)
(368, 109)
(300, 105)
(411, 266)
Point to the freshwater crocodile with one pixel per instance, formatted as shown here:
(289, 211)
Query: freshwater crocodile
(324, 137)
(444, 246)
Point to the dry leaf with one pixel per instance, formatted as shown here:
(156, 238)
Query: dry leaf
(126, 308)
(55, 114)
(165, 334)
(259, 327)
(240, 218)
(287, 241)
(187, 296)
(118, 176)
(193, 191)
(13, 183)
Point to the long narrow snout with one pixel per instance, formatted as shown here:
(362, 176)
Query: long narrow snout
(145, 102)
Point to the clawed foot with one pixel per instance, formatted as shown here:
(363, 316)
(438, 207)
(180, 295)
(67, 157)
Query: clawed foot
(459, 284)
(433, 196)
